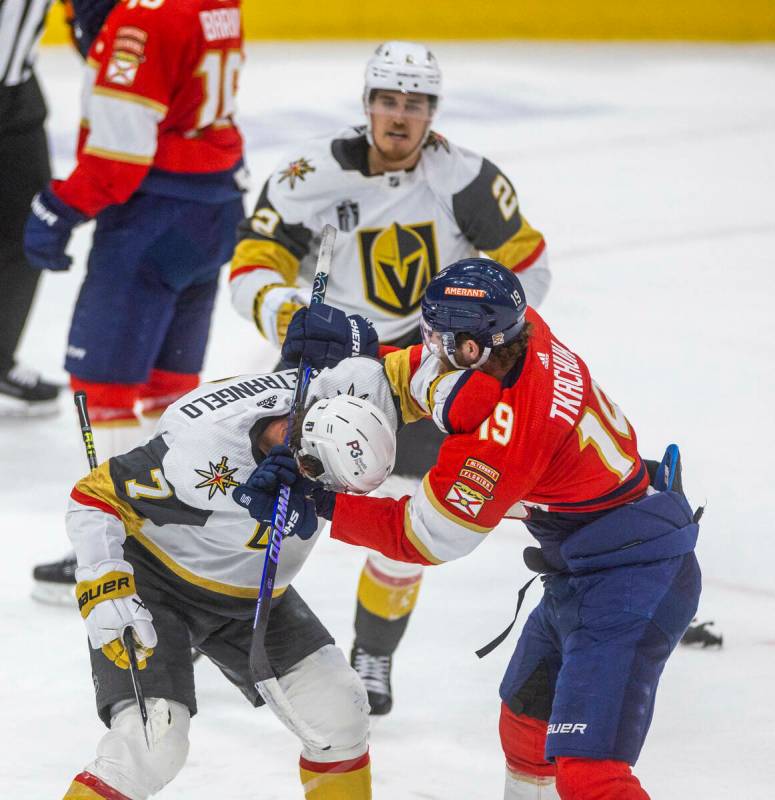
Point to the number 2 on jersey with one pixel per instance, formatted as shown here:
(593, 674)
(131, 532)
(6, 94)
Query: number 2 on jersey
(219, 70)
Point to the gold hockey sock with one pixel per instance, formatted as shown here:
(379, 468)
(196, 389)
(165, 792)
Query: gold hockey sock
(389, 598)
(337, 780)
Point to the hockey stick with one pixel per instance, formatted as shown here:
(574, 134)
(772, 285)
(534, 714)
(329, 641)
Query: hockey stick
(91, 455)
(261, 670)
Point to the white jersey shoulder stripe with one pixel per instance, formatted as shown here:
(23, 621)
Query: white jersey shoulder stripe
(436, 533)
(119, 124)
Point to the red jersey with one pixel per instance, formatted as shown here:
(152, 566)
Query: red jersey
(545, 445)
(161, 80)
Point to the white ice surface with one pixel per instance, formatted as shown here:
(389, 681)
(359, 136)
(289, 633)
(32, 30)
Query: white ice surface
(650, 169)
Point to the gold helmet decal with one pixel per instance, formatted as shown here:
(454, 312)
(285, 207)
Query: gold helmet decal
(398, 264)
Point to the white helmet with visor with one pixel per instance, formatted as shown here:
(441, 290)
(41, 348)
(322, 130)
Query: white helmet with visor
(353, 441)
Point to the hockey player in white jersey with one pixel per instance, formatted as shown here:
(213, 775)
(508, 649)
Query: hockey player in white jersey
(406, 202)
(163, 548)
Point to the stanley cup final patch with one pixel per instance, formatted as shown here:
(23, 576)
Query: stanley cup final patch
(466, 499)
(348, 214)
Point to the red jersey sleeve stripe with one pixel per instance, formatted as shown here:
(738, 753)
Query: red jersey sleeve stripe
(350, 765)
(93, 502)
(249, 268)
(531, 259)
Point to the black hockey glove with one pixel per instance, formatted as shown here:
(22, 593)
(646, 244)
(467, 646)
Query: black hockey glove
(47, 231)
(322, 336)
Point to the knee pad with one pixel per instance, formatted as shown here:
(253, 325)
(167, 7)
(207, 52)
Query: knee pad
(328, 694)
(593, 779)
(523, 740)
(123, 759)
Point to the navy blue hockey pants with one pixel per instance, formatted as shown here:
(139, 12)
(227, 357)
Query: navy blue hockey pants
(591, 654)
(150, 288)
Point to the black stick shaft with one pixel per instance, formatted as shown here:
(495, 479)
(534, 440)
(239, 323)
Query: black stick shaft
(86, 432)
(91, 454)
(134, 674)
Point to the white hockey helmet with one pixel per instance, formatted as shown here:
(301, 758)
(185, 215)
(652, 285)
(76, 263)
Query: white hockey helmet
(402, 67)
(352, 439)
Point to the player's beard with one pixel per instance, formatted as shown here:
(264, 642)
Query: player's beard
(399, 156)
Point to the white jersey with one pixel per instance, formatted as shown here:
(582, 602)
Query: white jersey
(172, 494)
(396, 230)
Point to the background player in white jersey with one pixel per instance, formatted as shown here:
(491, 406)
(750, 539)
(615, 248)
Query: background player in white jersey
(406, 202)
(163, 548)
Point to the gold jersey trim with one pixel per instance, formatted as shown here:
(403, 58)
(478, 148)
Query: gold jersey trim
(116, 155)
(99, 485)
(244, 592)
(260, 252)
(415, 539)
(129, 97)
(426, 485)
(521, 246)
(399, 375)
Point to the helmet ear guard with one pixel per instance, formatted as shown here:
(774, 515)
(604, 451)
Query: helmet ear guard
(353, 441)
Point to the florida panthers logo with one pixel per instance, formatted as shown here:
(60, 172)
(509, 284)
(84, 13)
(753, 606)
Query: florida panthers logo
(398, 264)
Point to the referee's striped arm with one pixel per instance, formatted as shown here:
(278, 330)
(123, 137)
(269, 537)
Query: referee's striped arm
(21, 25)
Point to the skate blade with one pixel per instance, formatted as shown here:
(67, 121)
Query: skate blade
(54, 594)
(11, 408)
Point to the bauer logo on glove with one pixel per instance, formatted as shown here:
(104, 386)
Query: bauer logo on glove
(115, 584)
(109, 604)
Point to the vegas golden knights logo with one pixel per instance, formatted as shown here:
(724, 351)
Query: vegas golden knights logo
(398, 263)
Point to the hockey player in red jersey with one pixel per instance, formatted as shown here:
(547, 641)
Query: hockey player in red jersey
(159, 168)
(533, 437)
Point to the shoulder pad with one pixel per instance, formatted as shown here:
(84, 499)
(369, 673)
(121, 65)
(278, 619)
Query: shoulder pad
(448, 165)
(461, 401)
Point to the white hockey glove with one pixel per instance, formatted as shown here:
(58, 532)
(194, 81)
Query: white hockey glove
(109, 604)
(274, 306)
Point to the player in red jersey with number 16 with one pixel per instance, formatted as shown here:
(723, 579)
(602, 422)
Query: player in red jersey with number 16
(159, 168)
(533, 437)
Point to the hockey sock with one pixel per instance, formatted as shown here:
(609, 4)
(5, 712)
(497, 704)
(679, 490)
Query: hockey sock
(386, 598)
(523, 740)
(86, 786)
(591, 779)
(115, 424)
(164, 388)
(337, 780)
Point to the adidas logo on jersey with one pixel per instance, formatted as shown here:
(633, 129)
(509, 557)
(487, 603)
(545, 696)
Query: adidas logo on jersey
(544, 359)
(268, 402)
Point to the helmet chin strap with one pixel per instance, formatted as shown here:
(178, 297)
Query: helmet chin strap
(448, 339)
